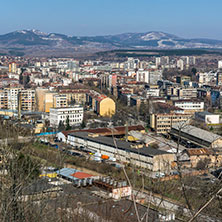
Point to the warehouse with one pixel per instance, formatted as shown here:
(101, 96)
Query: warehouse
(196, 136)
(136, 154)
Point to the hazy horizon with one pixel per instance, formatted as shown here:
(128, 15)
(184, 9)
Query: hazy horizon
(186, 19)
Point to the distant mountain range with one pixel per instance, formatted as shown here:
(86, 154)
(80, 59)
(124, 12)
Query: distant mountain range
(35, 42)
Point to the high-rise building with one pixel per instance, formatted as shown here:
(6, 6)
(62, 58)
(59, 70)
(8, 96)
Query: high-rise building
(142, 76)
(219, 78)
(12, 67)
(180, 64)
(220, 64)
(9, 99)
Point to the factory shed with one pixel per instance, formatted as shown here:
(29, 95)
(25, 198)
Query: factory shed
(197, 136)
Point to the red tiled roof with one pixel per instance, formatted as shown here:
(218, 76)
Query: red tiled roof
(81, 175)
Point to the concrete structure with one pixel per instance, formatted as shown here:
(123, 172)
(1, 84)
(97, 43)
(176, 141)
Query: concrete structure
(187, 93)
(220, 64)
(146, 157)
(207, 117)
(219, 78)
(142, 76)
(12, 67)
(9, 99)
(75, 95)
(189, 106)
(152, 92)
(149, 76)
(162, 123)
(75, 115)
(196, 136)
(180, 64)
(60, 100)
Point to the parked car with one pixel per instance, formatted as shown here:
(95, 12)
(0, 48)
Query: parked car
(160, 174)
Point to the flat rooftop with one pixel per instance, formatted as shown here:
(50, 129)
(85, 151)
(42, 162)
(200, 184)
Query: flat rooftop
(122, 145)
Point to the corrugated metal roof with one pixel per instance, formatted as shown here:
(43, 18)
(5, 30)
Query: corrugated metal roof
(67, 172)
(196, 132)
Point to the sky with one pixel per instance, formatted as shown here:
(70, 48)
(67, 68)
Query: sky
(184, 18)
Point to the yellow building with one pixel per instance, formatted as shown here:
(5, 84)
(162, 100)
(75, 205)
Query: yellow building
(12, 67)
(45, 99)
(40, 99)
(75, 95)
(101, 104)
(106, 107)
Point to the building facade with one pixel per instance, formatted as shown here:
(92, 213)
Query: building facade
(162, 123)
(74, 114)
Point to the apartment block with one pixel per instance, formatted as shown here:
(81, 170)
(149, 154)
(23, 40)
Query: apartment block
(9, 99)
(162, 123)
(189, 106)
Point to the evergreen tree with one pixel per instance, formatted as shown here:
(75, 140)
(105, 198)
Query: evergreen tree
(61, 126)
(68, 127)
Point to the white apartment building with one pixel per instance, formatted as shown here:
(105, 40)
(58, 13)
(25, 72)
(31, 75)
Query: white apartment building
(148, 76)
(180, 64)
(152, 92)
(142, 76)
(190, 106)
(220, 64)
(75, 115)
(207, 77)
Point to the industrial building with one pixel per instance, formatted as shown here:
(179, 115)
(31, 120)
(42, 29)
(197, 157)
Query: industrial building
(74, 114)
(196, 136)
(213, 157)
(131, 153)
(116, 131)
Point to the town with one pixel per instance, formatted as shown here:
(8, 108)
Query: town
(116, 130)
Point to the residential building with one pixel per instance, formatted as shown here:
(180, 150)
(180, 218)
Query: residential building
(12, 67)
(188, 93)
(142, 76)
(101, 104)
(219, 78)
(10, 98)
(60, 100)
(162, 123)
(189, 106)
(220, 64)
(212, 156)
